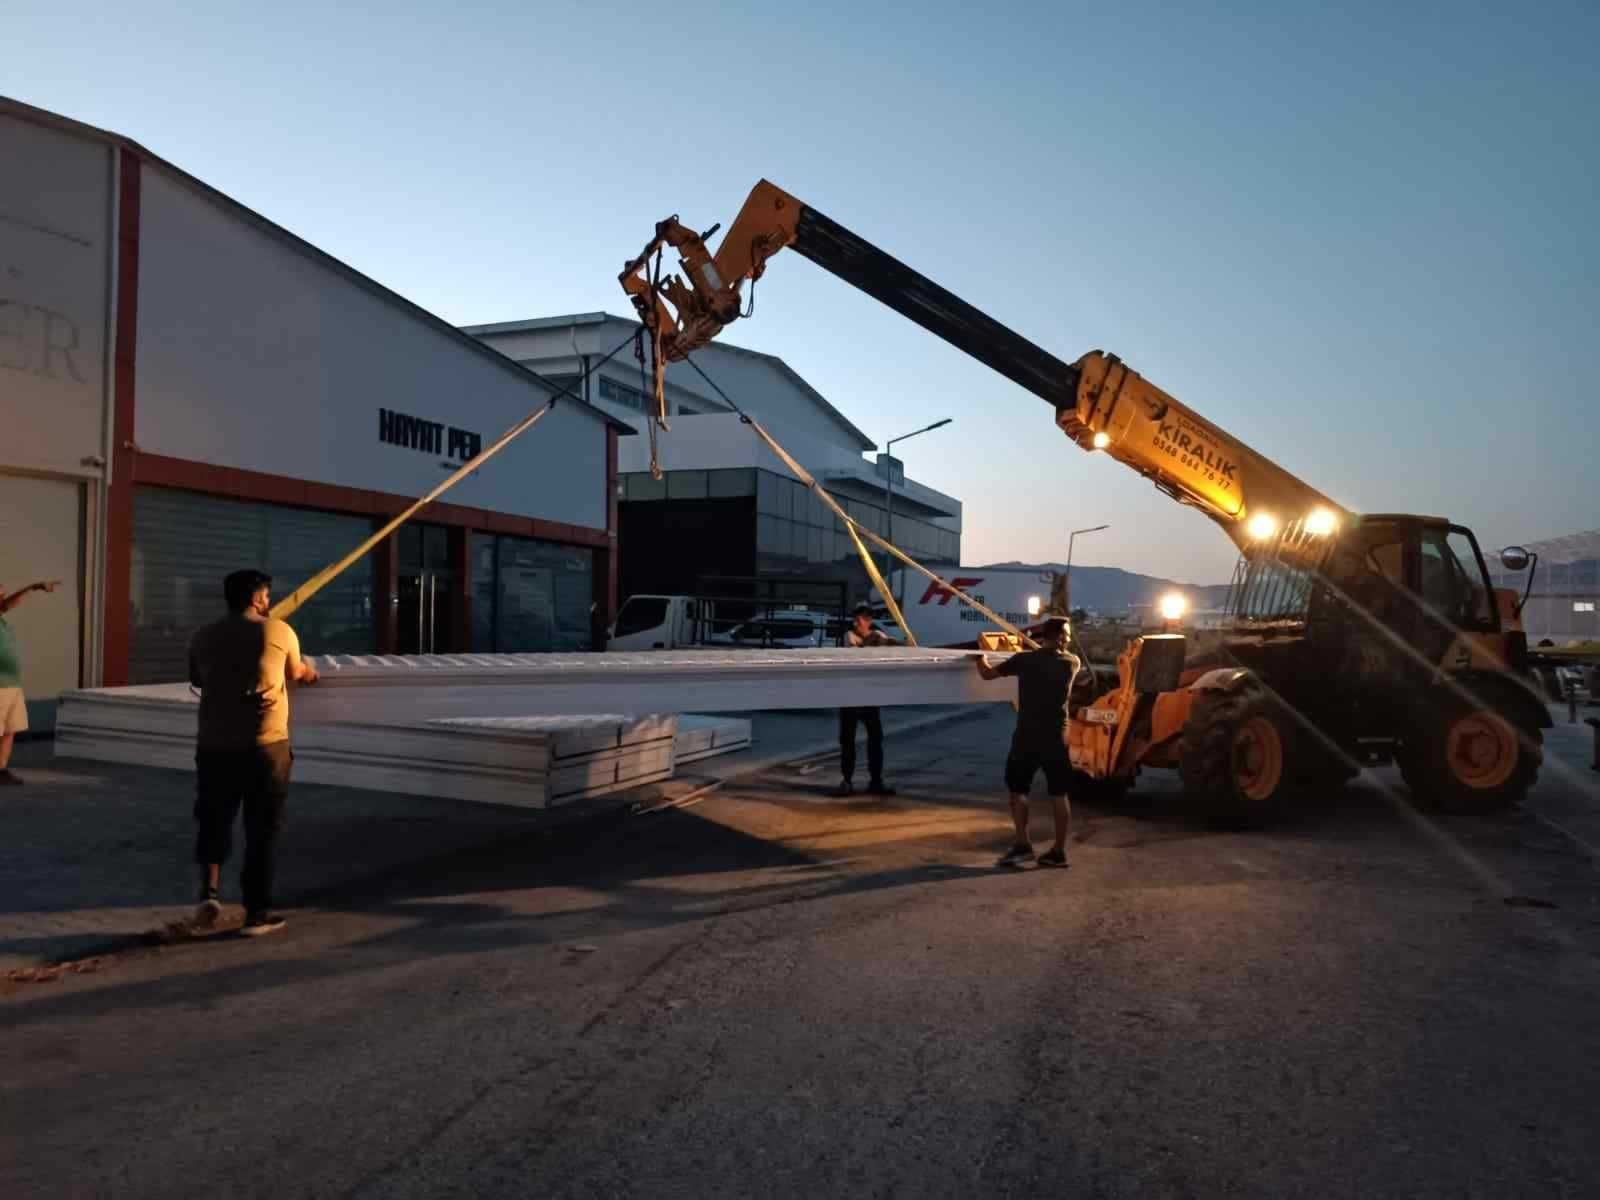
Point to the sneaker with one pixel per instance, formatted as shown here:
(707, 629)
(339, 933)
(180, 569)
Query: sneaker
(7, 779)
(844, 789)
(879, 788)
(1017, 855)
(209, 912)
(1054, 858)
(257, 924)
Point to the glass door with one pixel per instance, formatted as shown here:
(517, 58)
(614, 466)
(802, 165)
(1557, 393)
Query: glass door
(426, 621)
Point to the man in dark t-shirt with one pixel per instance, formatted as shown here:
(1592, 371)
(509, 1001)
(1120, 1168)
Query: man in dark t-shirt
(1039, 743)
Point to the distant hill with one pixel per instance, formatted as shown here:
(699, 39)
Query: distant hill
(1112, 590)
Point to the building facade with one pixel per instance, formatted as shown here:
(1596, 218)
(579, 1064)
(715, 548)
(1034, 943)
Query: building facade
(187, 388)
(723, 504)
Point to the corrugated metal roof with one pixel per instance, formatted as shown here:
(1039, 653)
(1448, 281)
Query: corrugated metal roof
(1572, 547)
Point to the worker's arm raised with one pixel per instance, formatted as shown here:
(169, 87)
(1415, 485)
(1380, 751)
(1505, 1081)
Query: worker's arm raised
(10, 600)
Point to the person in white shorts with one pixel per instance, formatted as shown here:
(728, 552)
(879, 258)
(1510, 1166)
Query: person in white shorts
(13, 707)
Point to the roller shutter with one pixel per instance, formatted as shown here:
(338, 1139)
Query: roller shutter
(185, 543)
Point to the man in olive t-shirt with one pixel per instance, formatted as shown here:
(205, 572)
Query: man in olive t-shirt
(243, 665)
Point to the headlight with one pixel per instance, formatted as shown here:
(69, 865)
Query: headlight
(1100, 441)
(1321, 522)
(1262, 526)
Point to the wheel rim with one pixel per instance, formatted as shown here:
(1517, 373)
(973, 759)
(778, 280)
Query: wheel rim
(1257, 758)
(1481, 750)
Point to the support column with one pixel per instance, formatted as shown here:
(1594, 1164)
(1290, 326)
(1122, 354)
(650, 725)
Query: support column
(118, 616)
(461, 565)
(385, 594)
(607, 566)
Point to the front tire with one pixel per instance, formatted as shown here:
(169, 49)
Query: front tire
(1234, 756)
(1472, 757)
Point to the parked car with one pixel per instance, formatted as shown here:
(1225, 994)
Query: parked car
(792, 628)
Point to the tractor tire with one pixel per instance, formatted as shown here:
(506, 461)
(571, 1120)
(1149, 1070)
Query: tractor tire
(1234, 759)
(1471, 758)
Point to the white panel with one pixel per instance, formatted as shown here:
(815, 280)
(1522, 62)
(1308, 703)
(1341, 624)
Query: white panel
(255, 355)
(532, 762)
(54, 220)
(39, 540)
(386, 689)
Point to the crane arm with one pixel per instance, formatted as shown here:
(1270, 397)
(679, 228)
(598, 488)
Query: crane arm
(1100, 403)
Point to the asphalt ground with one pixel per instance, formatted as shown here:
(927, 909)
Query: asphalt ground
(771, 991)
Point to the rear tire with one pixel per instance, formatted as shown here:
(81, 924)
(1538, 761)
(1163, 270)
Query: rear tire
(1472, 758)
(1234, 755)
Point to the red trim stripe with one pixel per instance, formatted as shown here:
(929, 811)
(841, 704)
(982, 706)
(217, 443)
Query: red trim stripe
(119, 506)
(160, 471)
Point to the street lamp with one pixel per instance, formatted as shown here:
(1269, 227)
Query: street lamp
(888, 489)
(1066, 587)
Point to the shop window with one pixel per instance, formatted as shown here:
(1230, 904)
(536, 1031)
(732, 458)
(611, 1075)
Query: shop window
(530, 596)
(623, 395)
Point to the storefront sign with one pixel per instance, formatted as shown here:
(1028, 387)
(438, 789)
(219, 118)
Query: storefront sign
(430, 437)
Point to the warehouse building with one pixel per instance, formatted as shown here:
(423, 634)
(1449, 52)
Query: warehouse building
(724, 504)
(187, 388)
(1565, 596)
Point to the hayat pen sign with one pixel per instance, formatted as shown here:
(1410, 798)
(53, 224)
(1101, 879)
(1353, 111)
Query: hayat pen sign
(429, 437)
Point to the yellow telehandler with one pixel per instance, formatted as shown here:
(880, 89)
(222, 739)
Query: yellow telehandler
(1353, 639)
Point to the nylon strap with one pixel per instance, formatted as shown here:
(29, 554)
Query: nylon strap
(852, 527)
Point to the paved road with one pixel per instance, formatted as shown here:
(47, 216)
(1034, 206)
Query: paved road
(776, 993)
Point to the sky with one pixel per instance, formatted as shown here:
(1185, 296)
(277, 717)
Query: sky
(1360, 237)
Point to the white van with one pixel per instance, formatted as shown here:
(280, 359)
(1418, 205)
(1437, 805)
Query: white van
(664, 623)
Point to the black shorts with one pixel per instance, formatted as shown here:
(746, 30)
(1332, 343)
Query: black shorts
(1023, 765)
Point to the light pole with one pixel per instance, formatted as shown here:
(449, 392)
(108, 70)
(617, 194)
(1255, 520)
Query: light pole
(888, 486)
(1067, 585)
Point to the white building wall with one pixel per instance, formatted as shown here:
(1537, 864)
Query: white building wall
(56, 247)
(55, 234)
(255, 355)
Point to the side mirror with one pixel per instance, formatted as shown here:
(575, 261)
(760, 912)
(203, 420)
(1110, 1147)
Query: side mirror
(1515, 558)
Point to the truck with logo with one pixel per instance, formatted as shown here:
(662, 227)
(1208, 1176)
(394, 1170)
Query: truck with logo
(938, 619)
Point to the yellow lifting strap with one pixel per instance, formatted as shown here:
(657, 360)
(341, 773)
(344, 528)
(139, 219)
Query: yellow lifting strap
(851, 527)
(284, 608)
(817, 490)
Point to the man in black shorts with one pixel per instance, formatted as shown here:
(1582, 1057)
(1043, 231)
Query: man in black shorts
(1039, 743)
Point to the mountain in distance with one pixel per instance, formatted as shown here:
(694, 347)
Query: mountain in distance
(1111, 590)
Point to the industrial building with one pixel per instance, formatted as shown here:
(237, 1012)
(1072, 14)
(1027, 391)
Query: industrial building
(1563, 602)
(187, 388)
(724, 504)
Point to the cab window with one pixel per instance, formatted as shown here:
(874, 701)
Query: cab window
(1452, 579)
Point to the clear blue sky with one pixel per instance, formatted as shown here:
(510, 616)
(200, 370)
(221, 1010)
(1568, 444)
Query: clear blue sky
(1361, 238)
